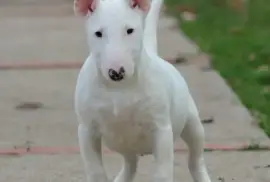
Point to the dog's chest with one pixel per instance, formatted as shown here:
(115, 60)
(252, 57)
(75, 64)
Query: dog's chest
(127, 123)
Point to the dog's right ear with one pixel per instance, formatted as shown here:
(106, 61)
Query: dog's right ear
(83, 7)
(144, 5)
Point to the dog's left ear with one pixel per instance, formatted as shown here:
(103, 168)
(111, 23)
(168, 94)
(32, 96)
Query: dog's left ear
(144, 5)
(82, 7)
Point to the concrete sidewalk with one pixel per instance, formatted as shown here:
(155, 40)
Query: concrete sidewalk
(51, 33)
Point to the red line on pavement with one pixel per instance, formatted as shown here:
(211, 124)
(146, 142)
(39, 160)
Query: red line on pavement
(43, 65)
(74, 150)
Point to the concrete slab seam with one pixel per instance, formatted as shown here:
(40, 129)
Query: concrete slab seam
(35, 150)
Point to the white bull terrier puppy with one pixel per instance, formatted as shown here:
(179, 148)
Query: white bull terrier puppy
(130, 98)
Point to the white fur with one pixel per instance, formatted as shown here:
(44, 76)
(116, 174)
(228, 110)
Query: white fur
(143, 113)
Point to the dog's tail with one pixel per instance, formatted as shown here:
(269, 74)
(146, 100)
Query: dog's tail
(151, 25)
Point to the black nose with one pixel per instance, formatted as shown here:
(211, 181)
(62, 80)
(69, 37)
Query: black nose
(117, 75)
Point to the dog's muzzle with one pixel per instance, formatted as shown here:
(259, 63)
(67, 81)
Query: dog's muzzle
(117, 75)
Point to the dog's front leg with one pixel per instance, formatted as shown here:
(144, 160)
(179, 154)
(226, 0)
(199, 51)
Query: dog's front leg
(128, 170)
(90, 148)
(163, 154)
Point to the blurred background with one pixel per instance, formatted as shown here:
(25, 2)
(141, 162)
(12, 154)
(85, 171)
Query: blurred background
(48, 24)
(236, 35)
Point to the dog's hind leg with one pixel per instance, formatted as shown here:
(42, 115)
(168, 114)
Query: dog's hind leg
(193, 135)
(128, 170)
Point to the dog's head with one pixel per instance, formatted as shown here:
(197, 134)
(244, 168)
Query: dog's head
(115, 32)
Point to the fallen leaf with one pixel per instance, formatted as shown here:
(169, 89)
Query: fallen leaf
(236, 30)
(265, 166)
(266, 90)
(29, 106)
(221, 179)
(180, 60)
(208, 120)
(188, 16)
(252, 57)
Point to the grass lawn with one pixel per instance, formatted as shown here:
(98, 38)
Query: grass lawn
(239, 46)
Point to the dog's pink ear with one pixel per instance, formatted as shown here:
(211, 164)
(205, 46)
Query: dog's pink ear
(82, 7)
(142, 4)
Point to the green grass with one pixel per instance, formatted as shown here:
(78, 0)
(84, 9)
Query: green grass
(239, 46)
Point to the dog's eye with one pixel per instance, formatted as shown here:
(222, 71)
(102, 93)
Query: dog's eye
(130, 31)
(98, 34)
